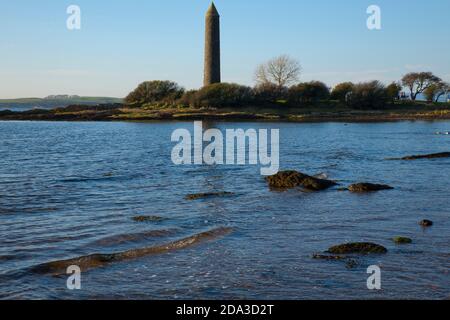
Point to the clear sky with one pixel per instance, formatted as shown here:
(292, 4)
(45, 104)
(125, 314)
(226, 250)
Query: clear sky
(124, 42)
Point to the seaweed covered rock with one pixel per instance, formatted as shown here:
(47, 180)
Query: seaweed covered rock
(368, 187)
(402, 240)
(293, 179)
(357, 247)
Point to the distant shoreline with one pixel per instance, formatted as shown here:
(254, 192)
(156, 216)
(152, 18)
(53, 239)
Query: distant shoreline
(119, 112)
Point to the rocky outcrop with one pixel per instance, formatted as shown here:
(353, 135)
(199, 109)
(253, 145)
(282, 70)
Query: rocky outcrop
(293, 179)
(357, 247)
(425, 156)
(368, 187)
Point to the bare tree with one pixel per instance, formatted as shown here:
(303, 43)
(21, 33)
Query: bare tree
(281, 71)
(418, 82)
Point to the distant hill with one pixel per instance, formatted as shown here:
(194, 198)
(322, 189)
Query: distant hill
(52, 102)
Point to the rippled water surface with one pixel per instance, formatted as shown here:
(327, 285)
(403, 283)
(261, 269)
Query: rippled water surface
(72, 189)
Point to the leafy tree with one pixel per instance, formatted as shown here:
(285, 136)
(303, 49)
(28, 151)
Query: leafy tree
(308, 92)
(341, 91)
(221, 95)
(281, 71)
(368, 95)
(270, 93)
(188, 98)
(393, 91)
(436, 90)
(418, 82)
(155, 92)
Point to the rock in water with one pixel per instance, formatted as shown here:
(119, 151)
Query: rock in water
(425, 156)
(368, 187)
(358, 247)
(402, 240)
(198, 196)
(293, 179)
(148, 219)
(426, 223)
(328, 257)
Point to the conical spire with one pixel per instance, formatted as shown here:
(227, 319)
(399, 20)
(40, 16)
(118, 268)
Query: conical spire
(212, 11)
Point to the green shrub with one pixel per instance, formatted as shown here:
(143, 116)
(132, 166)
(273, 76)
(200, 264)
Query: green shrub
(308, 93)
(188, 99)
(151, 92)
(393, 91)
(368, 95)
(341, 91)
(221, 95)
(270, 93)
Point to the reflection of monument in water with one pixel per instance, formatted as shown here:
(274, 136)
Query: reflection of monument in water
(212, 47)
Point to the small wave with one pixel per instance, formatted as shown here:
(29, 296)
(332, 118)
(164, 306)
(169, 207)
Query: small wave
(86, 179)
(134, 237)
(7, 258)
(99, 260)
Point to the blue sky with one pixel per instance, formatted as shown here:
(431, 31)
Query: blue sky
(124, 42)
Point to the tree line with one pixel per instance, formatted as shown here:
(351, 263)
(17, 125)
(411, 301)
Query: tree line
(277, 83)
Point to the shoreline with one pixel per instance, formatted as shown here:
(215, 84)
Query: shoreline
(119, 113)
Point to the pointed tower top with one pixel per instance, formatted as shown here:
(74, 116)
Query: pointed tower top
(212, 11)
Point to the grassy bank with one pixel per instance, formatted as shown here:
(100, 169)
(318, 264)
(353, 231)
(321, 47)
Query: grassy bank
(318, 113)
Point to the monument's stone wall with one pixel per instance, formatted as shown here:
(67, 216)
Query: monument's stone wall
(212, 47)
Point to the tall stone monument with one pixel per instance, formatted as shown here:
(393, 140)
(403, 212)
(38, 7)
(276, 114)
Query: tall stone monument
(212, 46)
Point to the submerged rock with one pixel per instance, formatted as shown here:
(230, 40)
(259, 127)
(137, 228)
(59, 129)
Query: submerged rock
(426, 223)
(100, 260)
(319, 256)
(148, 219)
(293, 179)
(350, 263)
(425, 156)
(133, 237)
(368, 187)
(402, 240)
(198, 196)
(357, 247)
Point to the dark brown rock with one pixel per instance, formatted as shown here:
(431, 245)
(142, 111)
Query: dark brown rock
(87, 262)
(426, 223)
(293, 179)
(358, 247)
(368, 187)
